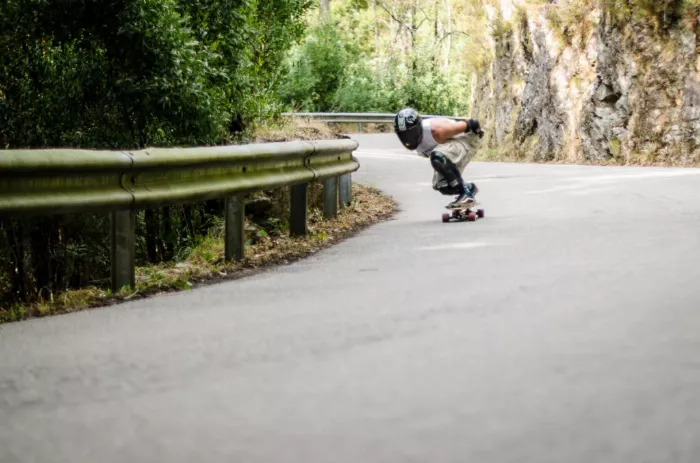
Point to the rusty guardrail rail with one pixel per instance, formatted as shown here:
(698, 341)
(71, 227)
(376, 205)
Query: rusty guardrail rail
(63, 181)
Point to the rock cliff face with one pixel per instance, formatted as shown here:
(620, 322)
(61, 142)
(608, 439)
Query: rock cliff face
(571, 83)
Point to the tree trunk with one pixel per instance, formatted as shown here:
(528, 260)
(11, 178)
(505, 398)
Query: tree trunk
(168, 238)
(448, 32)
(412, 28)
(325, 10)
(59, 266)
(151, 236)
(40, 252)
(187, 212)
(56, 263)
(435, 22)
(15, 238)
(376, 28)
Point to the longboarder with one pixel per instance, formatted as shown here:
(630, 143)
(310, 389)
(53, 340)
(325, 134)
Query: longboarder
(449, 144)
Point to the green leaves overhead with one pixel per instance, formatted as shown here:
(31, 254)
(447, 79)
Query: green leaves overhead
(380, 56)
(130, 73)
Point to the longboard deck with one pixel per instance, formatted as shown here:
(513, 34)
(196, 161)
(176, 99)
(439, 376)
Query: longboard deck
(463, 208)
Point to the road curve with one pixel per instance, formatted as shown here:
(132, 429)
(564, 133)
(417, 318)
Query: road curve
(564, 327)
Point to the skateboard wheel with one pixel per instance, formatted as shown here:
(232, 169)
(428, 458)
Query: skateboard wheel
(480, 213)
(445, 218)
(471, 217)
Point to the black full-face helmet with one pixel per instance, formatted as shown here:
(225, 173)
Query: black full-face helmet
(408, 125)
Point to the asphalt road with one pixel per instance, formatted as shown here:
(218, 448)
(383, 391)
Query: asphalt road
(564, 327)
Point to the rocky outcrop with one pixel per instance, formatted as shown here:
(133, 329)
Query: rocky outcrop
(599, 89)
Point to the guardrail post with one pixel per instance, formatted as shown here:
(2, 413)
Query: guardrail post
(359, 127)
(234, 218)
(345, 190)
(122, 249)
(298, 210)
(330, 197)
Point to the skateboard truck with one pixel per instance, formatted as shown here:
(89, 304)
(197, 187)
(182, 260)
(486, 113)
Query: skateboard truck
(463, 214)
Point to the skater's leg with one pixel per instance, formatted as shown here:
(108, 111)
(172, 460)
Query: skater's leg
(460, 151)
(448, 170)
(453, 178)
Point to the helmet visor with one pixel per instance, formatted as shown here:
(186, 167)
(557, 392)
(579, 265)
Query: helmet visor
(411, 138)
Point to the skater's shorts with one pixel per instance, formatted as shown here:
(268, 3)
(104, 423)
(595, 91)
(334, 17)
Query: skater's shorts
(460, 150)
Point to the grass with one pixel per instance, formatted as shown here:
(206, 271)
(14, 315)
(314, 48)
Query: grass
(205, 263)
(299, 128)
(292, 128)
(366, 128)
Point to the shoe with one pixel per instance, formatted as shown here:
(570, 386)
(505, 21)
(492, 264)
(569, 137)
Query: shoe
(472, 188)
(462, 201)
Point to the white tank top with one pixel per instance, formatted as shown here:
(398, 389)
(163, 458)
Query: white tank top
(428, 144)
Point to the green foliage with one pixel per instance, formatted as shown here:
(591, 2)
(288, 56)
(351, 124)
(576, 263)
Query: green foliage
(111, 71)
(330, 72)
(662, 14)
(501, 29)
(138, 72)
(434, 92)
(666, 12)
(571, 19)
(316, 69)
(362, 91)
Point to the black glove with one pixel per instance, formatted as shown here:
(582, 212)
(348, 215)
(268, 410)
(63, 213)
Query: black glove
(473, 126)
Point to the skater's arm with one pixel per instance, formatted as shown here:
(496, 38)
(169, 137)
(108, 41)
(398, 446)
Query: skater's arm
(443, 129)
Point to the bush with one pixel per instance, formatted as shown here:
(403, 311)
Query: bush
(137, 72)
(316, 68)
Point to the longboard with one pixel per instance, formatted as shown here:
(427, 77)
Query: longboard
(463, 214)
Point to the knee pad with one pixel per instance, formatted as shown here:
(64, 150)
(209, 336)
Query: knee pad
(445, 167)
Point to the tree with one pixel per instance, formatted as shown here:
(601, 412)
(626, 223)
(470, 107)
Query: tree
(127, 73)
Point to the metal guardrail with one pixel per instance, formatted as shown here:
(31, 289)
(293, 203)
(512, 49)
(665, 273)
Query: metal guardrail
(352, 118)
(61, 181)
